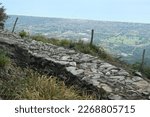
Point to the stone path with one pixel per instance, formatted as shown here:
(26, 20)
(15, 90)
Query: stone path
(115, 81)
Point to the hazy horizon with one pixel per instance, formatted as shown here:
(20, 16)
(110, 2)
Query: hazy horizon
(79, 19)
(136, 11)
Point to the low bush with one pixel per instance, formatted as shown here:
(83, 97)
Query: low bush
(40, 38)
(92, 49)
(4, 60)
(23, 34)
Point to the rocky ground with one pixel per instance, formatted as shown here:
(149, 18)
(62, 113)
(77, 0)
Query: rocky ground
(76, 68)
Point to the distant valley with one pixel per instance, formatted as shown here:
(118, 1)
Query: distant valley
(126, 40)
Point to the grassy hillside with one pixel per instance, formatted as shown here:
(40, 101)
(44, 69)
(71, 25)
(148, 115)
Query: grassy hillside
(21, 83)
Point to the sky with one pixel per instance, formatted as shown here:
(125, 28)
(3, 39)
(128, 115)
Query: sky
(104, 10)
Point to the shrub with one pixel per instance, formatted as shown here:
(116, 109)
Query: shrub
(4, 60)
(39, 38)
(64, 43)
(53, 41)
(23, 34)
(92, 49)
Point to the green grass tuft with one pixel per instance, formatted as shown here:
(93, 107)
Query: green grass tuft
(4, 60)
(23, 34)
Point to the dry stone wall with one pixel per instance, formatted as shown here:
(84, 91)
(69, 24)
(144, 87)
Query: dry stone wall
(81, 70)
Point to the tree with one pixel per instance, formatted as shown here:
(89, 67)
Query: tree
(3, 16)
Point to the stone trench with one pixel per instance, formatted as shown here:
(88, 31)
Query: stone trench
(84, 71)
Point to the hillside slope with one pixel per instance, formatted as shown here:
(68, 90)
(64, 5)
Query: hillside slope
(81, 70)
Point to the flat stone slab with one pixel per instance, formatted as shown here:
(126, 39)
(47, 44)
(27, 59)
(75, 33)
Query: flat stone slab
(74, 70)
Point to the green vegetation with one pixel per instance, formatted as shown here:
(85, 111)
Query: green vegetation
(43, 39)
(23, 34)
(4, 60)
(38, 87)
(92, 49)
(21, 83)
(145, 71)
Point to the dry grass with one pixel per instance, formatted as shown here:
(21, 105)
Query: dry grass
(33, 86)
(49, 88)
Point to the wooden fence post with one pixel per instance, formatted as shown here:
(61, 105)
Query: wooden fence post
(142, 63)
(92, 35)
(14, 25)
